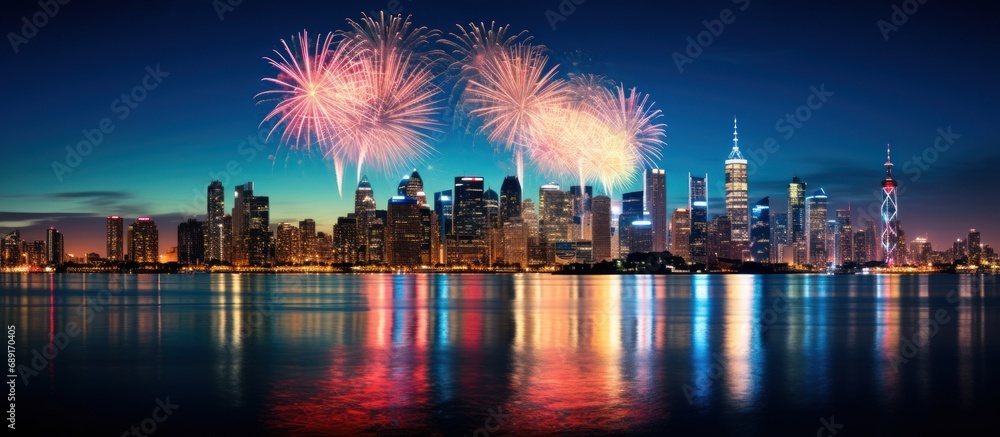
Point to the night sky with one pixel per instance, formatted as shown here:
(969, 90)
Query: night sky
(937, 70)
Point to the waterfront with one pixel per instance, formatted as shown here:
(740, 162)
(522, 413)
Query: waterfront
(539, 354)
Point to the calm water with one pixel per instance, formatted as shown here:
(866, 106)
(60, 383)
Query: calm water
(440, 354)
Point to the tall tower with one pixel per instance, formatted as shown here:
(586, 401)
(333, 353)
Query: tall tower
(698, 206)
(601, 208)
(656, 205)
(797, 219)
(364, 211)
(510, 198)
(216, 212)
(816, 228)
(737, 202)
(115, 242)
(890, 220)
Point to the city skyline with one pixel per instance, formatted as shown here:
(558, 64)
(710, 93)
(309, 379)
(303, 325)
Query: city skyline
(833, 149)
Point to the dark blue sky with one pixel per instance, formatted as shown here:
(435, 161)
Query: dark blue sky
(938, 70)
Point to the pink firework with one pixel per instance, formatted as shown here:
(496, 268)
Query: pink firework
(512, 95)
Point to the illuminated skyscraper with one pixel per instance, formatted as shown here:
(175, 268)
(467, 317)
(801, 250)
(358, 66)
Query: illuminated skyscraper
(54, 249)
(12, 250)
(364, 211)
(779, 237)
(760, 231)
(216, 212)
(698, 205)
(601, 212)
(633, 208)
(287, 244)
(345, 239)
(115, 241)
(443, 208)
(975, 247)
(655, 197)
(510, 198)
(797, 219)
(845, 237)
(251, 237)
(680, 228)
(737, 202)
(415, 188)
(143, 241)
(890, 218)
(535, 249)
(640, 237)
(816, 228)
(403, 232)
(191, 242)
(582, 221)
(469, 222)
(308, 245)
(555, 214)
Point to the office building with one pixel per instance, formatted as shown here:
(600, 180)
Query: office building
(217, 238)
(655, 198)
(286, 248)
(680, 229)
(737, 200)
(797, 219)
(115, 232)
(364, 212)
(143, 241)
(191, 242)
(760, 231)
(698, 205)
(403, 232)
(845, 237)
(601, 230)
(816, 229)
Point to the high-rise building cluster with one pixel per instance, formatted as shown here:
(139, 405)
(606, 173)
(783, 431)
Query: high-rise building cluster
(472, 225)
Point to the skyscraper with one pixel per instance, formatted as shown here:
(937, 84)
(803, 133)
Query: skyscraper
(403, 234)
(779, 237)
(415, 188)
(532, 231)
(216, 212)
(469, 222)
(737, 201)
(797, 219)
(582, 222)
(890, 218)
(54, 253)
(845, 237)
(286, 244)
(364, 211)
(143, 241)
(760, 231)
(601, 211)
(191, 242)
(444, 209)
(698, 205)
(510, 198)
(640, 237)
(115, 241)
(345, 240)
(633, 209)
(251, 237)
(816, 229)
(308, 245)
(555, 214)
(12, 250)
(975, 247)
(655, 197)
(680, 228)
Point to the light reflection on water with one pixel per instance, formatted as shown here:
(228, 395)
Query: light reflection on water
(438, 353)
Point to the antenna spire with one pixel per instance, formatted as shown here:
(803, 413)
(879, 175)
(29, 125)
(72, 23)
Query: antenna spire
(735, 154)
